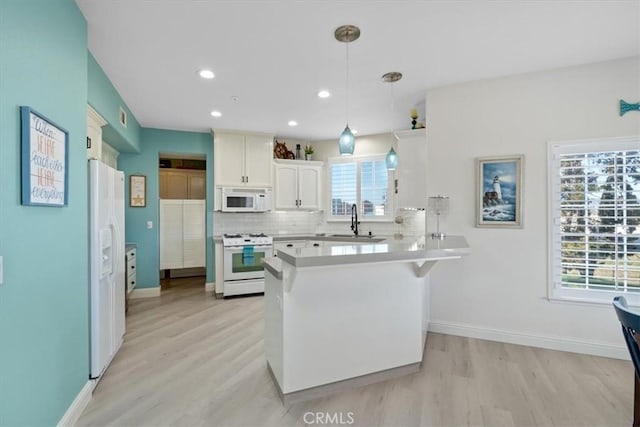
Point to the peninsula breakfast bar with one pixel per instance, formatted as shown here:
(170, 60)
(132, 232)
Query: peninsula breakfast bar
(349, 313)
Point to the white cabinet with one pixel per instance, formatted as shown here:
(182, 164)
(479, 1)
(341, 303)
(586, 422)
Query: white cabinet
(242, 160)
(96, 147)
(284, 244)
(219, 263)
(130, 273)
(411, 173)
(94, 133)
(298, 184)
(182, 234)
(295, 244)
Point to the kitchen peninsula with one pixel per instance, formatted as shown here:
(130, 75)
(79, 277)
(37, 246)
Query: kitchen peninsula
(349, 313)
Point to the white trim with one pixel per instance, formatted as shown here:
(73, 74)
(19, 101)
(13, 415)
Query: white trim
(145, 293)
(531, 340)
(95, 116)
(209, 286)
(70, 418)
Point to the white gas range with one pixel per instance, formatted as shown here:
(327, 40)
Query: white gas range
(243, 271)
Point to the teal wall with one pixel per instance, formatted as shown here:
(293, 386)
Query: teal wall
(105, 99)
(44, 309)
(154, 142)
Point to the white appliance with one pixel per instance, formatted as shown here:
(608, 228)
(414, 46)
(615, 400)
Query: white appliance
(106, 253)
(246, 199)
(243, 271)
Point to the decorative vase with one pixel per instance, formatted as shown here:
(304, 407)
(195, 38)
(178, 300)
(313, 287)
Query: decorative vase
(308, 156)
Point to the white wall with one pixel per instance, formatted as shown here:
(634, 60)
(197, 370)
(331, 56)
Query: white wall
(499, 292)
(365, 145)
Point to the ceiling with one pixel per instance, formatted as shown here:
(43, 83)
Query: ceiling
(270, 58)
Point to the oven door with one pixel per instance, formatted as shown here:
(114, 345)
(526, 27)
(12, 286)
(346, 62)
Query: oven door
(239, 266)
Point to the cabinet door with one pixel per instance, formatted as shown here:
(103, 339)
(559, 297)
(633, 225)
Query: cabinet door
(309, 187)
(193, 234)
(171, 234)
(162, 183)
(176, 185)
(411, 172)
(258, 159)
(228, 159)
(94, 132)
(197, 185)
(286, 186)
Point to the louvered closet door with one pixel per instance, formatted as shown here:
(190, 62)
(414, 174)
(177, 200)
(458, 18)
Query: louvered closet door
(171, 244)
(193, 227)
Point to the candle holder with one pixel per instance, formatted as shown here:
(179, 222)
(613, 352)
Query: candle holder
(414, 118)
(437, 206)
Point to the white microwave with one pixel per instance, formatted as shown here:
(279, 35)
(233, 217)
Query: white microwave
(246, 199)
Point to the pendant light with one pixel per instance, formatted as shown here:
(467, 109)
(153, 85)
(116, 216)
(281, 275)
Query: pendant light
(392, 157)
(346, 34)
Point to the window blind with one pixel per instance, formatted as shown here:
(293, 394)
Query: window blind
(360, 181)
(343, 188)
(595, 219)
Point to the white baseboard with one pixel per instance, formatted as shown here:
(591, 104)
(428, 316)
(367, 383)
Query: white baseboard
(209, 287)
(542, 341)
(70, 418)
(145, 293)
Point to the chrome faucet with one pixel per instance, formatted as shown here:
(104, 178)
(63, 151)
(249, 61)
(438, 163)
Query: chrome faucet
(354, 219)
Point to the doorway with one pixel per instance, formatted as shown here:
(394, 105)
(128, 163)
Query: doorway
(182, 218)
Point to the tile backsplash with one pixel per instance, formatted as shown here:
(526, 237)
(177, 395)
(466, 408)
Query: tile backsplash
(300, 222)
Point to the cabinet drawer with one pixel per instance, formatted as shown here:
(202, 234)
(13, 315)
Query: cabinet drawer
(131, 266)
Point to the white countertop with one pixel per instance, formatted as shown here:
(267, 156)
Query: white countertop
(407, 248)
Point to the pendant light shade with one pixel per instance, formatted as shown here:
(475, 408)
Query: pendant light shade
(347, 142)
(391, 160)
(346, 34)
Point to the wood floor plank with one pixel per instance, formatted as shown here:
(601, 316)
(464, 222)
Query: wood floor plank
(189, 359)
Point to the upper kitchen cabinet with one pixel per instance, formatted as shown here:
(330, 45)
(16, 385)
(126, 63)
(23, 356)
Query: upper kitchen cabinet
(242, 159)
(96, 148)
(411, 173)
(298, 184)
(182, 184)
(94, 133)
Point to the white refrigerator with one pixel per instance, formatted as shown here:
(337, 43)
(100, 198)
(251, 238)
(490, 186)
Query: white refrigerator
(106, 248)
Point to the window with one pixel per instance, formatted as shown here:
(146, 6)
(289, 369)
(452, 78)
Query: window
(361, 181)
(595, 220)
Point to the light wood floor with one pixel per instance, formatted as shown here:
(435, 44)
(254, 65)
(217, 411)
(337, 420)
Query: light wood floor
(191, 360)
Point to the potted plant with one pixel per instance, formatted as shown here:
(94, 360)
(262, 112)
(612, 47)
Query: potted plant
(308, 152)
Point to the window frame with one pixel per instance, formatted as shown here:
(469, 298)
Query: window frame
(358, 160)
(556, 292)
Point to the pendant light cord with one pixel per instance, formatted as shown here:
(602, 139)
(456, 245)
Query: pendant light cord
(347, 77)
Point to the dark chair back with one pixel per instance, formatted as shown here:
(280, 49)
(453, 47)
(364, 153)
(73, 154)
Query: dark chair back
(630, 327)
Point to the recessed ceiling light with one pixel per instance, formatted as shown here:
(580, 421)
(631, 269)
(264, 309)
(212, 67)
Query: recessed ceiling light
(324, 94)
(292, 123)
(354, 131)
(216, 113)
(206, 74)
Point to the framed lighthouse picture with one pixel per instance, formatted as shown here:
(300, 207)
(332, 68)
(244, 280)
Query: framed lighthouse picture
(499, 191)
